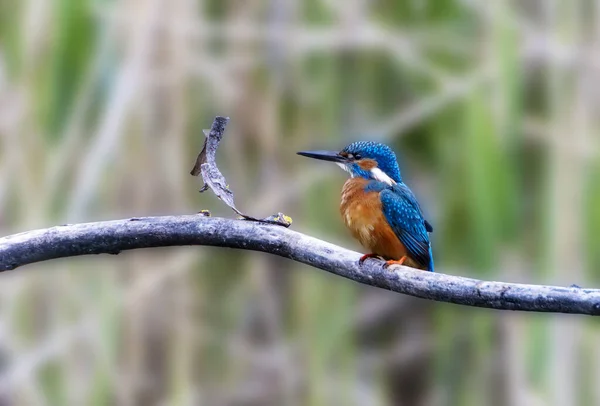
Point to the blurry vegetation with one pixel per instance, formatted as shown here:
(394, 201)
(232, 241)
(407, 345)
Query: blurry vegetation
(491, 107)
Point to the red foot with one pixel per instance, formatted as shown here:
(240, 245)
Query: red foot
(364, 257)
(394, 262)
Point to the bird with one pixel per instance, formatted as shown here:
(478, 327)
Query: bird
(378, 208)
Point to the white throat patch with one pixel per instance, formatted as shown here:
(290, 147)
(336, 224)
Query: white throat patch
(381, 176)
(344, 167)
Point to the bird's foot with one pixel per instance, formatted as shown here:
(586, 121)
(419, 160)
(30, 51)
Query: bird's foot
(394, 262)
(364, 258)
(204, 213)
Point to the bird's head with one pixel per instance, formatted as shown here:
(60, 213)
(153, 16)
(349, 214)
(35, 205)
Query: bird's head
(366, 159)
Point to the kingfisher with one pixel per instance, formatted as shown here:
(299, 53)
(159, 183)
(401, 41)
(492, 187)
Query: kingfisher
(378, 208)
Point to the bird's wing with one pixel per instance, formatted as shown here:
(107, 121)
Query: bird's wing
(413, 201)
(376, 186)
(404, 216)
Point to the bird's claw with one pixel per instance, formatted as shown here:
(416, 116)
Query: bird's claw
(364, 258)
(394, 262)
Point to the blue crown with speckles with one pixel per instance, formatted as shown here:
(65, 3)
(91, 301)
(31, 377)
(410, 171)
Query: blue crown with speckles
(381, 153)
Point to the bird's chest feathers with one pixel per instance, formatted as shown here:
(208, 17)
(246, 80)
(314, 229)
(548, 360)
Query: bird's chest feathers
(361, 211)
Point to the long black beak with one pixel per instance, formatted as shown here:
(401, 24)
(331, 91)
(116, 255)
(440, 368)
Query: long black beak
(331, 156)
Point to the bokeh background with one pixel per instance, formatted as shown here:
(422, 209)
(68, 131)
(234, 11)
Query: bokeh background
(492, 107)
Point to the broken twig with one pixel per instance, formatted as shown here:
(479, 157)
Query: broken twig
(213, 178)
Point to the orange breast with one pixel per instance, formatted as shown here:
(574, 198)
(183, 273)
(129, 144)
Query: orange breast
(362, 214)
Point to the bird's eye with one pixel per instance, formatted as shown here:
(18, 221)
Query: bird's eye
(356, 156)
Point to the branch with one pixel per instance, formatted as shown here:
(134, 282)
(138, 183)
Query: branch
(112, 237)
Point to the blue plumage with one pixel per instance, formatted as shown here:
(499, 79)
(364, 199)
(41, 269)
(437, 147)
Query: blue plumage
(376, 163)
(403, 214)
(385, 157)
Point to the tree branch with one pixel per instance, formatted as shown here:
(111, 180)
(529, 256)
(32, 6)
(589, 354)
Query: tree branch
(112, 237)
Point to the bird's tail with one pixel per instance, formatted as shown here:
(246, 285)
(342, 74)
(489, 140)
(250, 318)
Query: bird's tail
(430, 266)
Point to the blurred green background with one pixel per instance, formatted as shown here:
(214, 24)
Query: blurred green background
(492, 107)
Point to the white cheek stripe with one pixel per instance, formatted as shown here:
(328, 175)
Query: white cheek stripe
(381, 176)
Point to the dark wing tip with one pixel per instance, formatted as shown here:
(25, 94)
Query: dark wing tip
(428, 227)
